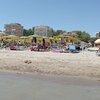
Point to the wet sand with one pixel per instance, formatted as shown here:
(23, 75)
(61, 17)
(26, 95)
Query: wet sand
(41, 87)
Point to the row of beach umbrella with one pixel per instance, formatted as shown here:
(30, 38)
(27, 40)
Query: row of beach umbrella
(29, 38)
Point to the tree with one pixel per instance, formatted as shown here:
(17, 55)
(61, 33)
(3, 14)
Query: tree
(28, 32)
(92, 39)
(83, 36)
(33, 29)
(24, 32)
(53, 32)
(60, 32)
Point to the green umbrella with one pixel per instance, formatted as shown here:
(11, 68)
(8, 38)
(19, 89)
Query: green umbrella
(45, 37)
(24, 37)
(35, 35)
(11, 36)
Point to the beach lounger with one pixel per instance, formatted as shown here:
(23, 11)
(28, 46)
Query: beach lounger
(12, 47)
(72, 48)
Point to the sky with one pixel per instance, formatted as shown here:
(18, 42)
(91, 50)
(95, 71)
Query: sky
(68, 15)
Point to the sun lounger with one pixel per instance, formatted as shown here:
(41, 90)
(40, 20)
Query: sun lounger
(12, 47)
(72, 48)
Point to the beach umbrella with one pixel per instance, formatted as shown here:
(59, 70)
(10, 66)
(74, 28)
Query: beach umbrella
(97, 41)
(71, 39)
(51, 38)
(24, 37)
(34, 35)
(1, 37)
(59, 36)
(45, 37)
(11, 36)
(40, 38)
(65, 38)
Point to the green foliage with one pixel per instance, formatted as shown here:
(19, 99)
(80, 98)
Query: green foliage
(33, 29)
(28, 32)
(24, 32)
(60, 32)
(53, 33)
(92, 39)
(83, 36)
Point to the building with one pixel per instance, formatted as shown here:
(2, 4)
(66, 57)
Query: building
(98, 35)
(73, 33)
(14, 29)
(42, 30)
(2, 33)
(60, 32)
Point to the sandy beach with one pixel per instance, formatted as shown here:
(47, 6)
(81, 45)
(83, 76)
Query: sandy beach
(83, 64)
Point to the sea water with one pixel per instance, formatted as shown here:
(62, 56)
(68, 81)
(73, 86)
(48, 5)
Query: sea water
(23, 87)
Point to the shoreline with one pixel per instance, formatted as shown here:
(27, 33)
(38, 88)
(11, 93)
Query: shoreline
(58, 79)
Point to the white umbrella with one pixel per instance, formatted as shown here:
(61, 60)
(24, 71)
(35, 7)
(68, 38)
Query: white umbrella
(97, 41)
